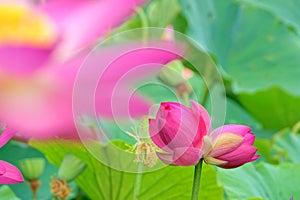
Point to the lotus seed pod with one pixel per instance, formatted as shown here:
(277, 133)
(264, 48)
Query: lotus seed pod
(32, 168)
(70, 167)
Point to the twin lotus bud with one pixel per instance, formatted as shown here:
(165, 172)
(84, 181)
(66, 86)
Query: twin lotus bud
(183, 136)
(69, 169)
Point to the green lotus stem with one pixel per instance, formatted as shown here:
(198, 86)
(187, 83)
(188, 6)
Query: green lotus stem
(197, 179)
(138, 181)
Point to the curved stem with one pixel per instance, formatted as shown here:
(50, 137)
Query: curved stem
(197, 179)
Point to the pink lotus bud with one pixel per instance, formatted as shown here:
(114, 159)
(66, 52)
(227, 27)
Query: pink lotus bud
(230, 146)
(179, 130)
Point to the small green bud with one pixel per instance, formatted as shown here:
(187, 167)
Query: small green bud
(171, 74)
(70, 167)
(32, 168)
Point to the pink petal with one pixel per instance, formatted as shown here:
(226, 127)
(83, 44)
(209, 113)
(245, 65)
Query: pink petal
(12, 175)
(155, 136)
(165, 157)
(187, 156)
(226, 143)
(203, 125)
(37, 108)
(93, 19)
(249, 138)
(255, 157)
(23, 60)
(231, 128)
(201, 112)
(41, 106)
(2, 170)
(6, 135)
(110, 70)
(245, 153)
(179, 127)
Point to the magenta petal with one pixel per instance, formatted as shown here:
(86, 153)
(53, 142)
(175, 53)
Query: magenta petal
(109, 70)
(201, 112)
(249, 138)
(165, 157)
(93, 19)
(154, 134)
(22, 60)
(203, 125)
(187, 156)
(178, 126)
(42, 106)
(238, 157)
(40, 109)
(2, 170)
(231, 128)
(12, 174)
(6, 135)
(255, 157)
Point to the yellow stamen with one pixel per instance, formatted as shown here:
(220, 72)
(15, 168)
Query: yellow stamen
(22, 25)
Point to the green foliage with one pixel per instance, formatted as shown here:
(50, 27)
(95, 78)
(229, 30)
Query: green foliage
(264, 181)
(99, 181)
(226, 29)
(282, 147)
(288, 11)
(7, 193)
(157, 14)
(273, 107)
(287, 144)
(258, 51)
(157, 18)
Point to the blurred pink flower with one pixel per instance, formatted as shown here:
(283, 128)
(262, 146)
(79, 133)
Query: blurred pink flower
(183, 133)
(41, 107)
(35, 34)
(9, 174)
(36, 82)
(179, 130)
(230, 146)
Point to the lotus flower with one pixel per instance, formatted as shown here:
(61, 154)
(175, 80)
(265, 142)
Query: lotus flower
(9, 174)
(183, 134)
(36, 84)
(179, 131)
(37, 34)
(230, 146)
